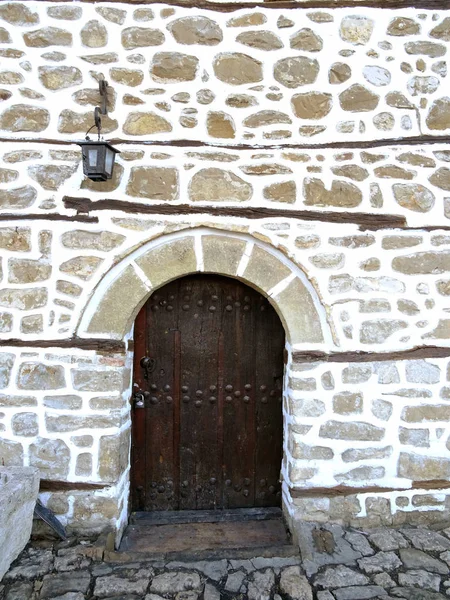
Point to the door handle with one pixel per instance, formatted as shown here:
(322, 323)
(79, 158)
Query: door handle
(148, 364)
(139, 400)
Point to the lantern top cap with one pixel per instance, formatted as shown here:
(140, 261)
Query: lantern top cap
(88, 142)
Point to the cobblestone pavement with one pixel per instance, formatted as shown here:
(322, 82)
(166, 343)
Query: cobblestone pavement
(335, 564)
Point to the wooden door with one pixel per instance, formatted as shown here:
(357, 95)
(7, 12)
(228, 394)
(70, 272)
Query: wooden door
(208, 371)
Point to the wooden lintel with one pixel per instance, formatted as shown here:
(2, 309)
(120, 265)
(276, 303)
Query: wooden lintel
(343, 490)
(227, 7)
(48, 217)
(419, 140)
(364, 220)
(100, 345)
(69, 486)
(420, 352)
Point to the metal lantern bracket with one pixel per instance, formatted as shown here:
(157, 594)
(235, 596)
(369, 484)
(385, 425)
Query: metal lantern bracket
(103, 89)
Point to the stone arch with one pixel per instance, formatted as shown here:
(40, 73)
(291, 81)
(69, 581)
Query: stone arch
(113, 306)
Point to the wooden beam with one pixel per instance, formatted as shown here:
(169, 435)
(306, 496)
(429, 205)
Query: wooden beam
(227, 7)
(70, 486)
(343, 490)
(364, 220)
(420, 352)
(284, 146)
(99, 345)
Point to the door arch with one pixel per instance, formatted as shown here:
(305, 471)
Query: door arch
(210, 433)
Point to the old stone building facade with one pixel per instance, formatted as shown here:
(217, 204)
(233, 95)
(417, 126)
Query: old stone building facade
(300, 150)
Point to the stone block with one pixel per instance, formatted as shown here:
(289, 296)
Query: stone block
(265, 270)
(114, 314)
(222, 254)
(38, 376)
(19, 488)
(113, 455)
(51, 457)
(423, 468)
(169, 261)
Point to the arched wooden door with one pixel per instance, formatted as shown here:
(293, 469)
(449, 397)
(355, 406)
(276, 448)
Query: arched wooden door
(207, 416)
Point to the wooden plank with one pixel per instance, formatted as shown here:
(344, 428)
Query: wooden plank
(99, 345)
(419, 352)
(206, 516)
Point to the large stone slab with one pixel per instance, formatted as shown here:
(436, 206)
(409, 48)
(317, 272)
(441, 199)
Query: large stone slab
(19, 488)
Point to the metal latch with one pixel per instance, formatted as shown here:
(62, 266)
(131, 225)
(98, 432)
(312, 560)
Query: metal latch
(139, 400)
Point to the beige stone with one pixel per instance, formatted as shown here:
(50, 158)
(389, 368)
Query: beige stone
(47, 36)
(342, 194)
(17, 401)
(131, 100)
(248, 20)
(11, 453)
(25, 424)
(301, 326)
(106, 403)
(352, 431)
(364, 474)
(5, 38)
(65, 402)
(266, 169)
(347, 403)
(114, 15)
(357, 454)
(394, 242)
(262, 40)
(5, 95)
(83, 465)
(220, 125)
(10, 78)
(173, 67)
(398, 100)
(422, 263)
(141, 37)
(23, 117)
(328, 261)
(236, 68)
(24, 270)
(82, 441)
(17, 13)
(377, 331)
(73, 122)
(144, 123)
(416, 160)
(91, 97)
(217, 185)
(143, 14)
(296, 71)
(68, 423)
(18, 198)
(339, 73)
(105, 241)
(114, 316)
(354, 172)
(443, 287)
(419, 85)
(414, 437)
(306, 40)
(403, 26)
(307, 407)
(266, 117)
(51, 457)
(128, 77)
(439, 116)
(21, 155)
(82, 267)
(393, 172)
(302, 451)
(264, 270)
(425, 48)
(285, 191)
(51, 177)
(169, 261)
(160, 183)
(353, 241)
(38, 376)
(442, 31)
(101, 59)
(357, 98)
(312, 105)
(356, 29)
(94, 34)
(8, 175)
(92, 380)
(16, 239)
(113, 455)
(423, 468)
(426, 413)
(196, 30)
(58, 78)
(414, 197)
(66, 13)
(23, 298)
(222, 254)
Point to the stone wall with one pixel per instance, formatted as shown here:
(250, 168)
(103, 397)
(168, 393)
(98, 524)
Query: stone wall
(316, 135)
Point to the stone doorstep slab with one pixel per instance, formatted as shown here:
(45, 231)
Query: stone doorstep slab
(19, 487)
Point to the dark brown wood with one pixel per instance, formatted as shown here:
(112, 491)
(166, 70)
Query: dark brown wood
(48, 217)
(300, 356)
(68, 486)
(100, 345)
(364, 220)
(213, 417)
(227, 7)
(343, 490)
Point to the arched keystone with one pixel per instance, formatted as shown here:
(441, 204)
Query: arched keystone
(221, 254)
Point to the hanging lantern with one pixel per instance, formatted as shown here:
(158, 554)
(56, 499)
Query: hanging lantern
(98, 159)
(98, 156)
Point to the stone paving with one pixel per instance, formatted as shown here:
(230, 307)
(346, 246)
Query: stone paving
(335, 564)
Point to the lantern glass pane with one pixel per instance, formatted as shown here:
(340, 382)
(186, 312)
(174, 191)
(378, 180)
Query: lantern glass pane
(92, 157)
(109, 161)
